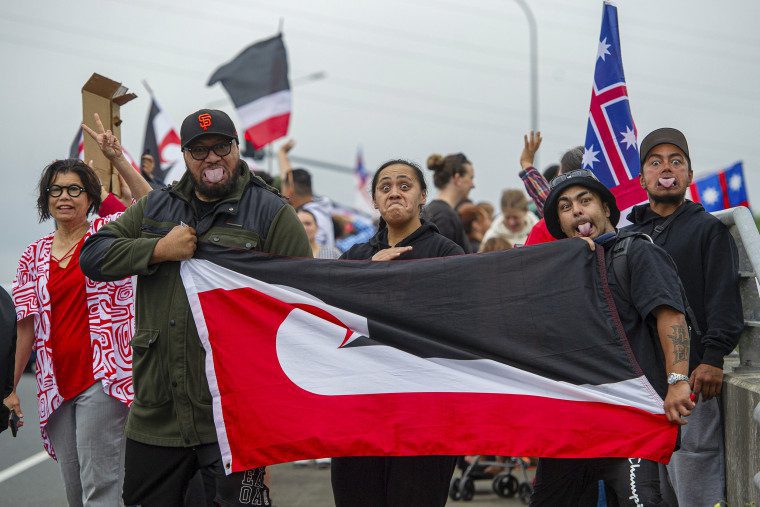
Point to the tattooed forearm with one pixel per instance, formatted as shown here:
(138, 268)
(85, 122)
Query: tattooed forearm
(680, 339)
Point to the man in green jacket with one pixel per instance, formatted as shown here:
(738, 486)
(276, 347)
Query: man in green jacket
(170, 430)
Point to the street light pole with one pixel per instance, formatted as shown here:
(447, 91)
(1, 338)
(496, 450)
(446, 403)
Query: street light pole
(532, 30)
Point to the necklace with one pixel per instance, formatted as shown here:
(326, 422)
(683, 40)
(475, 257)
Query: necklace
(68, 254)
(70, 251)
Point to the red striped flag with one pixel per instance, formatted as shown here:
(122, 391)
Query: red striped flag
(257, 82)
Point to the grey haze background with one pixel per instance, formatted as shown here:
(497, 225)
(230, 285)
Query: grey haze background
(404, 79)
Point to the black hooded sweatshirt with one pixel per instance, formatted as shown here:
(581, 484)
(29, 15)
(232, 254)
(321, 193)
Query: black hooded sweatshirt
(708, 264)
(425, 242)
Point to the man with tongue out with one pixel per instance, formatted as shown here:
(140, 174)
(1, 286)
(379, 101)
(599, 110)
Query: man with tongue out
(650, 306)
(219, 205)
(707, 260)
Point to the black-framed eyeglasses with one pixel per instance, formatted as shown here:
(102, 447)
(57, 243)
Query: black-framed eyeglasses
(578, 173)
(57, 190)
(200, 152)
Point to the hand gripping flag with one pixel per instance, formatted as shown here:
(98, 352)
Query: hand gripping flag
(511, 353)
(721, 190)
(611, 150)
(257, 82)
(162, 141)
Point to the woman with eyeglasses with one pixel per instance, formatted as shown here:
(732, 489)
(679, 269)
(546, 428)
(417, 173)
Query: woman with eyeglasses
(80, 330)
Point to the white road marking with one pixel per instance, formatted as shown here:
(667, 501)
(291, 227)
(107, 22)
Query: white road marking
(21, 466)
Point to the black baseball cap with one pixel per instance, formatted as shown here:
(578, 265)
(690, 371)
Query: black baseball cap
(584, 178)
(206, 122)
(665, 135)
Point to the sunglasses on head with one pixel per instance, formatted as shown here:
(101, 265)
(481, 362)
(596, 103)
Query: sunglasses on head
(578, 173)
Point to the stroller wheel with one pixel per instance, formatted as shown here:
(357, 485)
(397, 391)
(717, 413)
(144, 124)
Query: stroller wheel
(468, 490)
(505, 485)
(454, 492)
(524, 491)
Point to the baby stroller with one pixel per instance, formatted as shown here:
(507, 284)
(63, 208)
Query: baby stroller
(504, 484)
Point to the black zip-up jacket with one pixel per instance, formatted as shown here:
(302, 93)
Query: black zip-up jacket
(426, 242)
(708, 264)
(448, 222)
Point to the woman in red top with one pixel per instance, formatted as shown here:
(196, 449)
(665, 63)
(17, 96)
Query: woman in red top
(80, 330)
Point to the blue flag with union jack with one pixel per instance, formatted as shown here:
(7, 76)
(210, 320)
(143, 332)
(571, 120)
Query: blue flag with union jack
(611, 150)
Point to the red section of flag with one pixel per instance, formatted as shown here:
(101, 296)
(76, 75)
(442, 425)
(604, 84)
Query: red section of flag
(268, 419)
(596, 111)
(694, 192)
(724, 189)
(268, 130)
(629, 193)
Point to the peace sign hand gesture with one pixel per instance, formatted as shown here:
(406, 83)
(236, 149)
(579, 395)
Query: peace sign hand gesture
(107, 142)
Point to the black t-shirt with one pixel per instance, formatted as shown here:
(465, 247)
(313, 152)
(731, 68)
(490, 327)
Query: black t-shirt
(202, 208)
(653, 282)
(449, 223)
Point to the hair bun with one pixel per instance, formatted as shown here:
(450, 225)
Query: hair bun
(435, 162)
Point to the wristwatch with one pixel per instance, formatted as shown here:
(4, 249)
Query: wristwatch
(674, 378)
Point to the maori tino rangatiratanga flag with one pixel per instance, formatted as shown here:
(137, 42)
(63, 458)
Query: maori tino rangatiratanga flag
(508, 353)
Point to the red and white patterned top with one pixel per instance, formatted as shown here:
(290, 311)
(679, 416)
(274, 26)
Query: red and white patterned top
(110, 307)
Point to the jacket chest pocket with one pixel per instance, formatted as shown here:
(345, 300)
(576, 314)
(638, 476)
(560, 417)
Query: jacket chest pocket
(154, 231)
(149, 378)
(238, 239)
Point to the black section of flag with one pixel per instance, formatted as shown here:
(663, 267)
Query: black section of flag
(150, 144)
(540, 309)
(74, 148)
(260, 70)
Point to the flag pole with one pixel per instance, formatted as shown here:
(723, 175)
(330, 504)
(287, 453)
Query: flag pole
(147, 87)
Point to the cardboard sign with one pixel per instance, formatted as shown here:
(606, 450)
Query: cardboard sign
(105, 97)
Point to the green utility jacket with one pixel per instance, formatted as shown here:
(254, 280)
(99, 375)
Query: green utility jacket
(172, 404)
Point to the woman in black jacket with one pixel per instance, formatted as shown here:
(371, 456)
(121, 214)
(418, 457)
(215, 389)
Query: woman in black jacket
(398, 192)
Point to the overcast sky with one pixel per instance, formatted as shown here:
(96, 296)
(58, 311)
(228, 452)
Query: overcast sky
(403, 79)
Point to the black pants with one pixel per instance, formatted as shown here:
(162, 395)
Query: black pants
(563, 481)
(374, 481)
(158, 476)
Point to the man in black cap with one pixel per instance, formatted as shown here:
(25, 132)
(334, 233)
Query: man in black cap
(707, 261)
(170, 430)
(650, 306)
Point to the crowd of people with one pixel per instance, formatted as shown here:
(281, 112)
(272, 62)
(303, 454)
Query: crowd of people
(124, 404)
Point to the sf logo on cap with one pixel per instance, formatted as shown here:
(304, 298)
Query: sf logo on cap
(204, 120)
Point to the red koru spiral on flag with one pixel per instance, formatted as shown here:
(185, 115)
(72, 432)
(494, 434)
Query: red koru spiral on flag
(204, 120)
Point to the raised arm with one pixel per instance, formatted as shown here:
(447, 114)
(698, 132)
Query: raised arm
(111, 147)
(286, 170)
(535, 183)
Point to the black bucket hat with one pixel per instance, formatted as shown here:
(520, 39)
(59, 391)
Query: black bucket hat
(584, 178)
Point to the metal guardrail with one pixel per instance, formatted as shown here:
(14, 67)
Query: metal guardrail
(741, 223)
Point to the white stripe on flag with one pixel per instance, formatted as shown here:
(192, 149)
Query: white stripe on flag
(264, 108)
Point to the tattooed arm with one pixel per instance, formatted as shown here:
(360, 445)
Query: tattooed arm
(674, 340)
